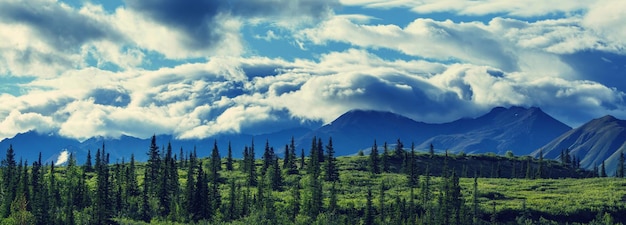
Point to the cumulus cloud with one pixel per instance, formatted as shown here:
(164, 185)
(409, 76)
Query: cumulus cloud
(45, 38)
(202, 99)
(57, 24)
(18, 122)
(205, 25)
(94, 83)
(423, 37)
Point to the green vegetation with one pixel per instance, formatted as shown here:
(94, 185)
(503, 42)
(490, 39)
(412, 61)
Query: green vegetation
(397, 186)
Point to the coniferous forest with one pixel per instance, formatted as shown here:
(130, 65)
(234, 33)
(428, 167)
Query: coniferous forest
(391, 184)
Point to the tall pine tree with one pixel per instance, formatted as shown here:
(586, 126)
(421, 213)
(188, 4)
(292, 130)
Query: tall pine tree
(102, 204)
(290, 158)
(620, 166)
(384, 159)
(374, 160)
(153, 169)
(330, 164)
(9, 181)
(214, 180)
(229, 158)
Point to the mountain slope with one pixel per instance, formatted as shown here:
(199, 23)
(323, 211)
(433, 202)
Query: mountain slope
(600, 139)
(519, 129)
(516, 128)
(357, 129)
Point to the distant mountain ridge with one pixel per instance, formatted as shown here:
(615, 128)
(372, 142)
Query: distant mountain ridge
(519, 129)
(598, 140)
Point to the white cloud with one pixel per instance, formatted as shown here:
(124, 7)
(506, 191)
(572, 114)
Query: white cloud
(18, 122)
(458, 69)
(606, 18)
(203, 99)
(519, 8)
(269, 36)
(63, 157)
(423, 37)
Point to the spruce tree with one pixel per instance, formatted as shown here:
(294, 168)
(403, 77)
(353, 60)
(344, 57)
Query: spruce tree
(268, 157)
(381, 203)
(529, 174)
(539, 173)
(166, 183)
(384, 158)
(302, 161)
(40, 198)
(181, 156)
(231, 212)
(229, 158)
(313, 168)
(315, 184)
(286, 159)
(214, 180)
(295, 201)
(73, 189)
(320, 150)
(190, 187)
(413, 176)
(153, 169)
(244, 165)
(173, 184)
(330, 164)
(620, 165)
(292, 167)
(332, 199)
(145, 212)
(454, 198)
(9, 181)
(275, 175)
(132, 191)
(88, 166)
(399, 153)
(368, 218)
(425, 195)
(102, 204)
(374, 159)
(200, 209)
(251, 166)
(23, 182)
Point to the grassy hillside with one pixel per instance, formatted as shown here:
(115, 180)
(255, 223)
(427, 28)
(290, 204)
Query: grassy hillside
(504, 194)
(558, 201)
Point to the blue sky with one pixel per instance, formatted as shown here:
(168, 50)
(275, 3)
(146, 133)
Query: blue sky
(200, 68)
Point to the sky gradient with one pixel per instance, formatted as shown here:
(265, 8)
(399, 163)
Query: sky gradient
(200, 68)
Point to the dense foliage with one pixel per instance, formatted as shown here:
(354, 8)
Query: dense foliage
(397, 186)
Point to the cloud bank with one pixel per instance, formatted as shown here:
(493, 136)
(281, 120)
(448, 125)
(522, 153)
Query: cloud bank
(188, 69)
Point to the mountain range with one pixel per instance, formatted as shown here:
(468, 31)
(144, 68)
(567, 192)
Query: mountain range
(521, 130)
(599, 140)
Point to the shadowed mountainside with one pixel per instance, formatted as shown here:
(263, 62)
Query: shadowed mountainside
(598, 140)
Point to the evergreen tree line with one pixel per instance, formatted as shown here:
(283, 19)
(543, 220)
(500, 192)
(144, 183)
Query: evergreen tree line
(183, 188)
